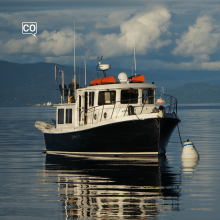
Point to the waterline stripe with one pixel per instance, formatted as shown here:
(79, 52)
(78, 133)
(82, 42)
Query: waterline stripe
(102, 153)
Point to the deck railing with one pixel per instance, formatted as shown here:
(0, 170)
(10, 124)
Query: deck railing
(169, 108)
(172, 107)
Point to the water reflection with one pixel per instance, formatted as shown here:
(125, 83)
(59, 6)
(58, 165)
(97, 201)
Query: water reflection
(117, 188)
(189, 164)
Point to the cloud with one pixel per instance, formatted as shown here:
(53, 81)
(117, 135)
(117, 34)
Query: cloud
(193, 65)
(211, 65)
(28, 45)
(200, 41)
(114, 19)
(56, 19)
(59, 43)
(48, 43)
(144, 28)
(111, 33)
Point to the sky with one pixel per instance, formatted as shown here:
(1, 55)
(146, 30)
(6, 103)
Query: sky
(171, 35)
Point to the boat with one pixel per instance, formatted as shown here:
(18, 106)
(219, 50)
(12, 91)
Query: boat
(41, 105)
(110, 117)
(160, 101)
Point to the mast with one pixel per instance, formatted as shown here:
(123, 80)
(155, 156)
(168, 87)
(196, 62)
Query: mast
(79, 74)
(134, 55)
(134, 60)
(74, 65)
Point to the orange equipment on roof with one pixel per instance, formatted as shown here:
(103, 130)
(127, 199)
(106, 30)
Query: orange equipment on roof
(101, 81)
(138, 79)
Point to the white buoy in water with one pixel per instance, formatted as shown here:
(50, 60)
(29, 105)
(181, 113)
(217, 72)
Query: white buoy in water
(189, 151)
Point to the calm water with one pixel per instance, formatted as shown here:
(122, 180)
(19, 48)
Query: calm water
(37, 186)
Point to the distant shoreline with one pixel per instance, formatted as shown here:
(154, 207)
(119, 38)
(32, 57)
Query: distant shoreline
(179, 104)
(39, 105)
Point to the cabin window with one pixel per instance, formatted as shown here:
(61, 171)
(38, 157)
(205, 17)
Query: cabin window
(106, 97)
(91, 99)
(148, 96)
(129, 96)
(61, 116)
(68, 115)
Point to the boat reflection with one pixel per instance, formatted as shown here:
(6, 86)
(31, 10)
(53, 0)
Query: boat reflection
(114, 188)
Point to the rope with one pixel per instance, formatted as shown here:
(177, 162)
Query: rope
(173, 142)
(178, 133)
(178, 129)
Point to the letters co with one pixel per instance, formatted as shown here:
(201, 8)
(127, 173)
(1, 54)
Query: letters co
(29, 28)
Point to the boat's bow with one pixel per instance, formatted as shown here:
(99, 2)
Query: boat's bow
(43, 126)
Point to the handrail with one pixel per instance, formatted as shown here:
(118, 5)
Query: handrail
(170, 108)
(175, 103)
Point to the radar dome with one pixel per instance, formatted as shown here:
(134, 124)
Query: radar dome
(123, 77)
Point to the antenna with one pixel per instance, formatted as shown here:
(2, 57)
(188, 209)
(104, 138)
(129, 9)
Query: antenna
(102, 67)
(162, 91)
(134, 53)
(99, 59)
(55, 74)
(79, 74)
(85, 72)
(74, 66)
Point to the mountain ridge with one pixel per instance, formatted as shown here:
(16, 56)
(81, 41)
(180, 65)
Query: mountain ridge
(33, 83)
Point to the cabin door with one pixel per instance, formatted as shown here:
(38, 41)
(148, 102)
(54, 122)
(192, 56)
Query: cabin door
(80, 108)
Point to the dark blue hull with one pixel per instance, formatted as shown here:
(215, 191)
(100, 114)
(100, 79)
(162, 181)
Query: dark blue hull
(139, 136)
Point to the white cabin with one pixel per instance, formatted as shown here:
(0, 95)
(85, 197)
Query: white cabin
(96, 104)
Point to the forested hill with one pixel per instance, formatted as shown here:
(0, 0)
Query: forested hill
(23, 84)
(196, 92)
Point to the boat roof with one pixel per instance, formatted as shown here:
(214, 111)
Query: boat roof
(121, 86)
